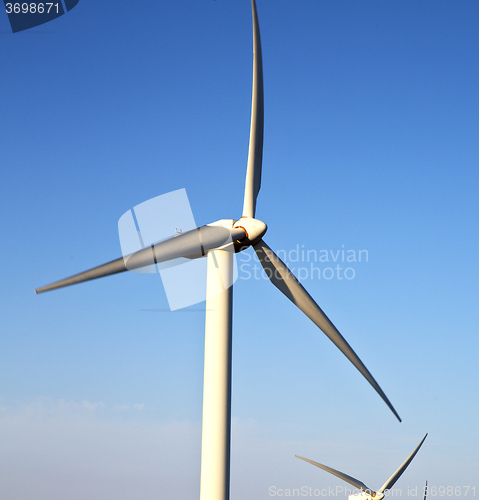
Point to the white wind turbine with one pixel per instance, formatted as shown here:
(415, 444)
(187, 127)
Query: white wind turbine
(368, 493)
(218, 241)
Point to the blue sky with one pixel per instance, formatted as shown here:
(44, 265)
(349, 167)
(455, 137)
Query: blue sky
(371, 119)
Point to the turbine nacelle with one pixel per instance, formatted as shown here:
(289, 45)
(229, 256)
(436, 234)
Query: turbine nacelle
(244, 232)
(369, 495)
(254, 230)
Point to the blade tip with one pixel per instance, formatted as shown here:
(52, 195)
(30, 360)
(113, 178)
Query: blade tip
(391, 407)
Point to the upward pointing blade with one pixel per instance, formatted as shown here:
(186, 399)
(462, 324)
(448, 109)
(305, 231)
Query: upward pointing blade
(283, 279)
(255, 154)
(190, 245)
(351, 480)
(392, 480)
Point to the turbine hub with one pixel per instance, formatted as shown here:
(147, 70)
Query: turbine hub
(254, 229)
(367, 495)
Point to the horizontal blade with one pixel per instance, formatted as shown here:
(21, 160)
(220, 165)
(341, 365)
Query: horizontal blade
(190, 245)
(392, 480)
(283, 279)
(351, 480)
(255, 154)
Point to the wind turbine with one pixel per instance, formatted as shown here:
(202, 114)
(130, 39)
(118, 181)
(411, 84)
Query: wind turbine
(218, 241)
(368, 493)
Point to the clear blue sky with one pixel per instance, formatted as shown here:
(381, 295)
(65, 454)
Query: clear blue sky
(371, 142)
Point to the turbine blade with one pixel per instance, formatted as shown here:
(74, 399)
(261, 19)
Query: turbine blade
(190, 245)
(113, 267)
(392, 480)
(283, 279)
(351, 480)
(255, 154)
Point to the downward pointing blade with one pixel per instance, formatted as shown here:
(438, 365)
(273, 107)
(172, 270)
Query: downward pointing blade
(283, 279)
(351, 480)
(255, 154)
(190, 245)
(392, 480)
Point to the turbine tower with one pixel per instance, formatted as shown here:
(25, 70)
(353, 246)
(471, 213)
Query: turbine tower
(217, 242)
